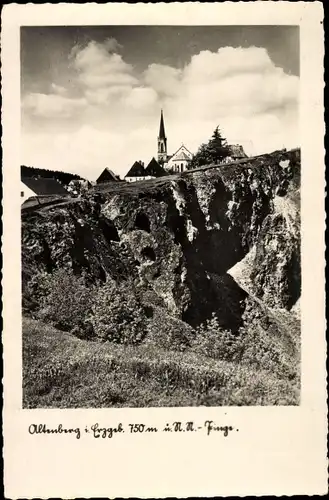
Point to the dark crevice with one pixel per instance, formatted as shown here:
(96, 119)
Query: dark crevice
(109, 230)
(176, 223)
(148, 253)
(148, 311)
(294, 281)
(142, 222)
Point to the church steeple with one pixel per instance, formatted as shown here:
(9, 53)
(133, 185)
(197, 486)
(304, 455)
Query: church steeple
(162, 142)
(162, 134)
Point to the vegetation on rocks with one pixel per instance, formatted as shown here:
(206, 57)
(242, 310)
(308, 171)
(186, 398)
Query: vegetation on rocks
(132, 291)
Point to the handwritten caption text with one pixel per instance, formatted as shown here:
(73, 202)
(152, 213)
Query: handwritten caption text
(209, 427)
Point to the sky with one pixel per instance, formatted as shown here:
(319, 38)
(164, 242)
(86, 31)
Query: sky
(91, 96)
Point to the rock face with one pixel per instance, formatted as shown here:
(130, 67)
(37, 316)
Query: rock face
(198, 242)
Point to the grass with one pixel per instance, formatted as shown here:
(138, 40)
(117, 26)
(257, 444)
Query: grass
(62, 371)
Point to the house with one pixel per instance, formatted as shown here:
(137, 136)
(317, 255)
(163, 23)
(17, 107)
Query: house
(180, 160)
(237, 152)
(154, 169)
(40, 188)
(137, 173)
(107, 176)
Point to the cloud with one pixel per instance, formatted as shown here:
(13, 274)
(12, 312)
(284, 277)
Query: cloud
(141, 98)
(163, 79)
(112, 45)
(227, 61)
(99, 67)
(116, 120)
(58, 89)
(51, 105)
(243, 81)
(109, 45)
(86, 151)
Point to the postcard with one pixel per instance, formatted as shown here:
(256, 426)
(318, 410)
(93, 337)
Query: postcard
(163, 243)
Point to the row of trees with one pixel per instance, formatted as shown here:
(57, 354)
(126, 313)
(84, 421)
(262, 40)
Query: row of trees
(214, 151)
(63, 177)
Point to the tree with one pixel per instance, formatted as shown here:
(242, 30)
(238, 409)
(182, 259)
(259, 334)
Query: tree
(215, 151)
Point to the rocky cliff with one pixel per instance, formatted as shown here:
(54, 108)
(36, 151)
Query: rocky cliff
(197, 243)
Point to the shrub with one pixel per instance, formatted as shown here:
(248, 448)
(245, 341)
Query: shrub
(253, 347)
(66, 302)
(260, 351)
(168, 332)
(213, 341)
(117, 314)
(34, 292)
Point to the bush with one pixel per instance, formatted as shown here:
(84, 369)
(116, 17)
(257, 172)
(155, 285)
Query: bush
(111, 311)
(34, 292)
(253, 347)
(117, 314)
(260, 351)
(168, 332)
(213, 341)
(66, 302)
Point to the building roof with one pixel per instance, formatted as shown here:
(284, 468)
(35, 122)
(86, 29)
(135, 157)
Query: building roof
(137, 170)
(154, 169)
(107, 176)
(162, 134)
(237, 151)
(44, 186)
(180, 153)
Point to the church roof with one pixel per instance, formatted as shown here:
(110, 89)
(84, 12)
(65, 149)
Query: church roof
(162, 134)
(154, 169)
(181, 155)
(137, 170)
(107, 176)
(44, 186)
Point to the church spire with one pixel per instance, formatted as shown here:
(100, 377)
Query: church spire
(162, 142)
(162, 134)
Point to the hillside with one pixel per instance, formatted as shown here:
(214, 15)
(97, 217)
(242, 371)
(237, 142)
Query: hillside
(218, 242)
(62, 371)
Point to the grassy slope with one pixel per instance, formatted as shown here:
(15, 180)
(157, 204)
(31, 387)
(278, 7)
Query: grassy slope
(62, 371)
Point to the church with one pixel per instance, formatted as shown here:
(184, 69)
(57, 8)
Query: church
(179, 161)
(165, 163)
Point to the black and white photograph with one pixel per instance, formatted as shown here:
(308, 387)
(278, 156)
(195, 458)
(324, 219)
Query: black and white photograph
(160, 216)
(164, 250)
